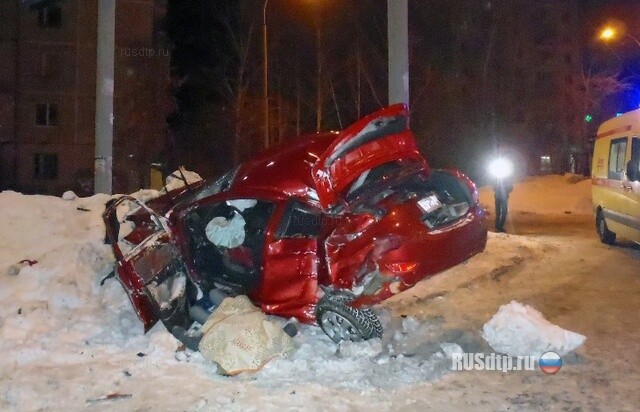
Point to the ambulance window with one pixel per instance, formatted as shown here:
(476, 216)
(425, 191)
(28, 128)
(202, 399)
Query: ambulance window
(635, 148)
(617, 157)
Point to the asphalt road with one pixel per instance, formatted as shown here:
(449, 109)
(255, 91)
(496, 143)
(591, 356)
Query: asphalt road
(559, 267)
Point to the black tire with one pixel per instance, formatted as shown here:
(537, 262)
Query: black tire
(606, 236)
(342, 322)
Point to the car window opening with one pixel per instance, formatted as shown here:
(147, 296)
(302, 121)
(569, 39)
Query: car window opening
(227, 243)
(300, 221)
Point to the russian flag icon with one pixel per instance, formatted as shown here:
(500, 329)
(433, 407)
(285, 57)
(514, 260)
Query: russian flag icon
(550, 362)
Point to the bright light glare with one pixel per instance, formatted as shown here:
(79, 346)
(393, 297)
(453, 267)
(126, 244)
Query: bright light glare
(501, 168)
(608, 33)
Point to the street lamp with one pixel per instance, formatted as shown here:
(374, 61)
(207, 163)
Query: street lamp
(265, 52)
(610, 33)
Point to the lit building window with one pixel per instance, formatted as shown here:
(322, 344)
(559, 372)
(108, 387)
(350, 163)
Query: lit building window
(45, 166)
(545, 164)
(46, 114)
(50, 16)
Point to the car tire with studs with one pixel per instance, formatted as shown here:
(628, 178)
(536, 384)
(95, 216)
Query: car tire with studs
(342, 322)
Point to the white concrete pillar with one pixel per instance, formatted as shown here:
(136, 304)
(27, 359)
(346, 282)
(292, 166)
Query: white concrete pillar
(104, 96)
(398, 34)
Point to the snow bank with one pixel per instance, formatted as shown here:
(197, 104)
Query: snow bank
(68, 342)
(520, 330)
(552, 194)
(407, 355)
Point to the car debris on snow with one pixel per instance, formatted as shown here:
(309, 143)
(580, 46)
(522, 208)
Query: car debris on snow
(110, 397)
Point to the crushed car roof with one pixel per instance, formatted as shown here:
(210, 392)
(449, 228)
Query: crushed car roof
(287, 168)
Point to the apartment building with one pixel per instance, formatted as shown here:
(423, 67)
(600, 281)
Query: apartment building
(541, 60)
(48, 89)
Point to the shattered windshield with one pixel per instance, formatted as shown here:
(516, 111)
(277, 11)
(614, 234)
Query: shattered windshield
(222, 184)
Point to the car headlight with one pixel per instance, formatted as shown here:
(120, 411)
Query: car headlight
(501, 168)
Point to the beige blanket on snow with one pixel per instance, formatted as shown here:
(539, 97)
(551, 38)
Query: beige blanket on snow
(239, 337)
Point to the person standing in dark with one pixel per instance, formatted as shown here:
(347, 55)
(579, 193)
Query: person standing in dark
(501, 188)
(501, 170)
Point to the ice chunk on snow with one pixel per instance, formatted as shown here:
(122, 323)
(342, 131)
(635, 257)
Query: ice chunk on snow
(368, 348)
(520, 330)
(450, 348)
(69, 195)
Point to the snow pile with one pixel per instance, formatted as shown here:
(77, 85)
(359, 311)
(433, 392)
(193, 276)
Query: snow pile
(552, 194)
(407, 355)
(57, 321)
(52, 258)
(70, 342)
(520, 330)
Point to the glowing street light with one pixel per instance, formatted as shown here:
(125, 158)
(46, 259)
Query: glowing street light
(610, 33)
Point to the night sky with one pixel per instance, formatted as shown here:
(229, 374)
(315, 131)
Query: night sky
(448, 39)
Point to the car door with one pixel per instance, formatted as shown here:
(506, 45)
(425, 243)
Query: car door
(631, 193)
(620, 203)
(151, 271)
(290, 277)
(379, 138)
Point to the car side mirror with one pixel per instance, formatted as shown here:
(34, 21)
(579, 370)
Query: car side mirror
(633, 170)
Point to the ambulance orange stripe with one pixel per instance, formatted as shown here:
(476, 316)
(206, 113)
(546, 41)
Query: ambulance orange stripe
(616, 184)
(614, 131)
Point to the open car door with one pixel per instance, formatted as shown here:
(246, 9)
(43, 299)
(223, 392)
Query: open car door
(148, 265)
(379, 138)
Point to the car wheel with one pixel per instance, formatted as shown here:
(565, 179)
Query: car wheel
(342, 322)
(606, 236)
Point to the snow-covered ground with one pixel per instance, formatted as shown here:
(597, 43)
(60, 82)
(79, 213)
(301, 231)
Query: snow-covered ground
(547, 195)
(68, 343)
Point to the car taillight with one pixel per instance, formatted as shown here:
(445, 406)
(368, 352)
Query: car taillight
(402, 267)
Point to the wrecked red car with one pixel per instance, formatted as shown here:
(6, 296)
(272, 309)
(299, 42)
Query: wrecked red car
(319, 230)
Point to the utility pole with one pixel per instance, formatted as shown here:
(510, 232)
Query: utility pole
(398, 34)
(265, 74)
(319, 102)
(104, 97)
